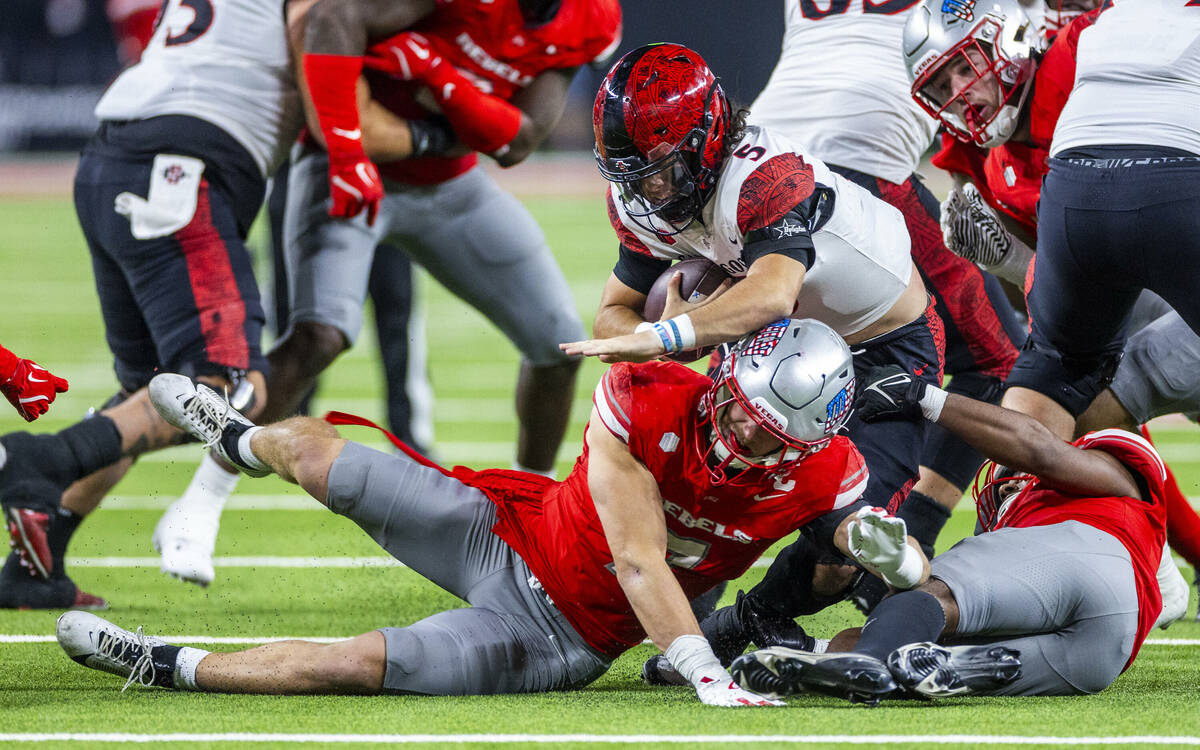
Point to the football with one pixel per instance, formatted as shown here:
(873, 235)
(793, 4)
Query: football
(701, 277)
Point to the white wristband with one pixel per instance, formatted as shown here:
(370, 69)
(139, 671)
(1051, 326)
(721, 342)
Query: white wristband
(687, 332)
(1015, 263)
(932, 402)
(693, 657)
(908, 573)
(645, 325)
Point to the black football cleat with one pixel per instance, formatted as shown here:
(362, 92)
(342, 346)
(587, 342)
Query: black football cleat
(943, 671)
(20, 590)
(658, 670)
(778, 672)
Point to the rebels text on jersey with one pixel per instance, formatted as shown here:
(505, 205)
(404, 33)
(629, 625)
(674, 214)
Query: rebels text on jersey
(714, 533)
(1140, 525)
(489, 42)
(773, 197)
(1009, 177)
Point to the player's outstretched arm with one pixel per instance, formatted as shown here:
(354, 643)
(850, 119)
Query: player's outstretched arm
(766, 294)
(28, 386)
(627, 501)
(1006, 436)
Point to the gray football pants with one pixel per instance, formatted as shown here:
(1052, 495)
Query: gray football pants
(1160, 372)
(511, 639)
(1062, 595)
(475, 239)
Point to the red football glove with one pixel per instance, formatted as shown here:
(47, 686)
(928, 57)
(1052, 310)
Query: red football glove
(354, 183)
(484, 122)
(27, 386)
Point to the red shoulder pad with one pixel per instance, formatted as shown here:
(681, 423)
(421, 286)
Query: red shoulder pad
(1134, 451)
(777, 186)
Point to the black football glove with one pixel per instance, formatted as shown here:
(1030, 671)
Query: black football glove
(890, 393)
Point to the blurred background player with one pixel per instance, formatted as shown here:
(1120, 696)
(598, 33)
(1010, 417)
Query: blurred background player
(1000, 98)
(442, 211)
(858, 117)
(165, 193)
(1055, 598)
(562, 577)
(690, 178)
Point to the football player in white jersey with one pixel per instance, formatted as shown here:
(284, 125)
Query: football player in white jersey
(165, 193)
(857, 116)
(690, 178)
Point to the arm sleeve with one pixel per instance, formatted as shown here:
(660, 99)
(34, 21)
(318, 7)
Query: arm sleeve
(638, 271)
(821, 529)
(788, 235)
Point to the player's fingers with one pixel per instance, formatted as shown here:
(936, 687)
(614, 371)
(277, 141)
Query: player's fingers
(372, 211)
(60, 384)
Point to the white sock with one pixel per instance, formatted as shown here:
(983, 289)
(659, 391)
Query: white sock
(185, 667)
(199, 508)
(551, 473)
(247, 454)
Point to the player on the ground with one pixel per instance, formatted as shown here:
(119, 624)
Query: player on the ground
(690, 178)
(856, 115)
(683, 482)
(991, 87)
(165, 193)
(1055, 599)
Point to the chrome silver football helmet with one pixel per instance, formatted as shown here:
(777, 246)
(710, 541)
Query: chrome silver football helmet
(795, 379)
(994, 41)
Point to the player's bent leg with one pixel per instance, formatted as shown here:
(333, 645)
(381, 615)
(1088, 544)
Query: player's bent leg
(307, 350)
(544, 396)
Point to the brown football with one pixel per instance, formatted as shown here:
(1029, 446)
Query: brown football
(701, 277)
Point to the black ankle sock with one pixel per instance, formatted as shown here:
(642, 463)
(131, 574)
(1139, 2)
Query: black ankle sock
(924, 517)
(907, 617)
(63, 524)
(93, 444)
(165, 658)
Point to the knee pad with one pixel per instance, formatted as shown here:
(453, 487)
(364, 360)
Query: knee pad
(1071, 381)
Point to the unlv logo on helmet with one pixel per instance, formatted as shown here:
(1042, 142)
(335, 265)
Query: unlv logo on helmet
(964, 9)
(660, 120)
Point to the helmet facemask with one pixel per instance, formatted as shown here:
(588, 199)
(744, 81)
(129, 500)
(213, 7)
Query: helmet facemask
(994, 490)
(663, 195)
(982, 62)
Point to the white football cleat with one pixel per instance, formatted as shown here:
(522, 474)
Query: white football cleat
(186, 543)
(95, 642)
(1175, 591)
(205, 415)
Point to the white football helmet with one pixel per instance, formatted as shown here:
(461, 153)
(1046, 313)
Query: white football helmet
(795, 378)
(998, 43)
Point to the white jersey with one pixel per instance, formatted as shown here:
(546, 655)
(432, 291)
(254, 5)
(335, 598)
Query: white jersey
(222, 61)
(841, 90)
(1137, 79)
(861, 259)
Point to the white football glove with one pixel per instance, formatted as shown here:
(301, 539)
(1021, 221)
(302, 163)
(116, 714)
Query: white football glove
(971, 229)
(725, 692)
(693, 658)
(879, 541)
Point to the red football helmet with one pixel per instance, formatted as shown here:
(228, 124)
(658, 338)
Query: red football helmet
(995, 487)
(661, 120)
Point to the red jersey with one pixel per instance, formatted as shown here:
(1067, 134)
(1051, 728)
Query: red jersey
(489, 42)
(1140, 525)
(714, 533)
(1009, 177)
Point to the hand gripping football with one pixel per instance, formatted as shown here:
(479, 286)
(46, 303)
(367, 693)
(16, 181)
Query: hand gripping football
(701, 277)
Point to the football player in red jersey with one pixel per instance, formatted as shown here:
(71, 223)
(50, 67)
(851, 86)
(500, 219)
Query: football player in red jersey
(1000, 98)
(683, 482)
(1068, 557)
(460, 79)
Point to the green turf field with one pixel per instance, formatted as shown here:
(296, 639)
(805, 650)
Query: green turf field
(270, 531)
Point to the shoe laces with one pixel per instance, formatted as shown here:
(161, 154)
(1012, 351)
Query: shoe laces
(200, 407)
(114, 647)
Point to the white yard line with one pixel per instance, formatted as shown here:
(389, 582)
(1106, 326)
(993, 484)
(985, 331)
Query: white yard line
(604, 739)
